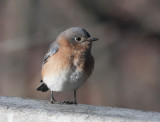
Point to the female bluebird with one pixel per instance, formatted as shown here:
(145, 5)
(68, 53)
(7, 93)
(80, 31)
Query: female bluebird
(68, 62)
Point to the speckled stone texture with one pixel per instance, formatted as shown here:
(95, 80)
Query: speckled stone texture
(14, 109)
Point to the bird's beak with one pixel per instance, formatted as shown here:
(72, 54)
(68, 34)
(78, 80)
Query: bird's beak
(92, 39)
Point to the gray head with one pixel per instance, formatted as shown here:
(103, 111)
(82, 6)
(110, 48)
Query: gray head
(77, 35)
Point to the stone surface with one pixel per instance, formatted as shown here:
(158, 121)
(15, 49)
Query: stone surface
(14, 109)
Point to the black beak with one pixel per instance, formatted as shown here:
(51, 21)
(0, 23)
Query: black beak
(92, 39)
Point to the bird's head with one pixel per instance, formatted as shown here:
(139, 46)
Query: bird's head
(76, 37)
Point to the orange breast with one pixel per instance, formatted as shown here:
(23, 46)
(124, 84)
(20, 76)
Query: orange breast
(83, 62)
(59, 61)
(69, 57)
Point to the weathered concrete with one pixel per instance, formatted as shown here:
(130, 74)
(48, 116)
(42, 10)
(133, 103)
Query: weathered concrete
(28, 110)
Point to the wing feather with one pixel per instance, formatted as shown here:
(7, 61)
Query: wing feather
(52, 50)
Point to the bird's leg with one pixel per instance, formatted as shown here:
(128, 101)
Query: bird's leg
(52, 98)
(53, 101)
(75, 100)
(72, 102)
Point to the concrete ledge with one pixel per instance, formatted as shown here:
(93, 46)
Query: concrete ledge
(14, 109)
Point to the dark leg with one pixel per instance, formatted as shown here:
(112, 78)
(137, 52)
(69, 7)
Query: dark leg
(75, 101)
(53, 101)
(52, 98)
(72, 102)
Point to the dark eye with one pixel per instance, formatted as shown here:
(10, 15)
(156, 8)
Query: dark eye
(78, 38)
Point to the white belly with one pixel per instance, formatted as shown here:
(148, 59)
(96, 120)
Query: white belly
(66, 80)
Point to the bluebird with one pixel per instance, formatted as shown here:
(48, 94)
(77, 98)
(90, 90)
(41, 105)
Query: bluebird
(68, 63)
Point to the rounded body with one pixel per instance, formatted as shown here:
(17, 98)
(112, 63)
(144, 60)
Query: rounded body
(67, 69)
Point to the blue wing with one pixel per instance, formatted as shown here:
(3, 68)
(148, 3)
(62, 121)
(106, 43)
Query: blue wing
(52, 50)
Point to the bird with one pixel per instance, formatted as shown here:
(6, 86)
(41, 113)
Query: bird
(68, 63)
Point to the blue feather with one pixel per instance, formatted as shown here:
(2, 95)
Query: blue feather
(52, 50)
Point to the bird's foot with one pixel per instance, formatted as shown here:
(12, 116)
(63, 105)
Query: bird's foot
(65, 102)
(56, 102)
(69, 102)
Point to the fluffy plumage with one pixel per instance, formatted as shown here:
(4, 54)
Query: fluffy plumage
(68, 62)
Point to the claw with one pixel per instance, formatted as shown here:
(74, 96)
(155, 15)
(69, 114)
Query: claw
(70, 102)
(55, 102)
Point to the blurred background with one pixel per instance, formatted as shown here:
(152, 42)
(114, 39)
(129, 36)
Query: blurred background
(127, 56)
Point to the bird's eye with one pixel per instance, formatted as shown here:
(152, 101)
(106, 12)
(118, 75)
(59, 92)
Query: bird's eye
(78, 38)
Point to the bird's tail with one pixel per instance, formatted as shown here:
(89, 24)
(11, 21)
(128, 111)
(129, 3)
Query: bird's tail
(43, 87)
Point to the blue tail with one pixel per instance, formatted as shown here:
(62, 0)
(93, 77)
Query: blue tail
(43, 87)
